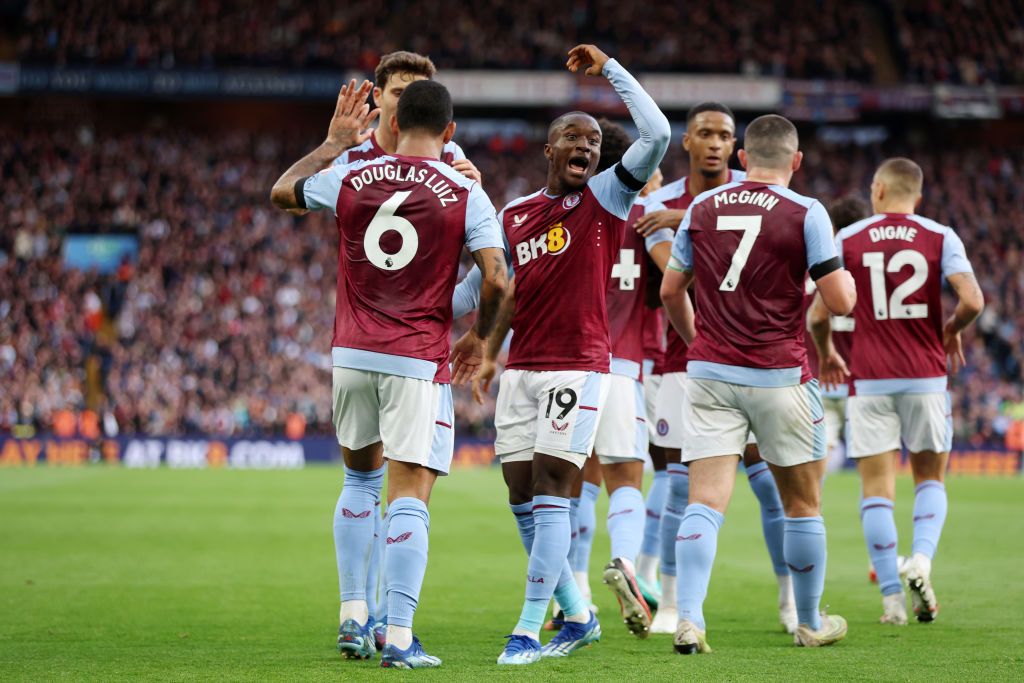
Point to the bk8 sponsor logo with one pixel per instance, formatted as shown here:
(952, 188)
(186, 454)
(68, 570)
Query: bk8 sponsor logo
(554, 241)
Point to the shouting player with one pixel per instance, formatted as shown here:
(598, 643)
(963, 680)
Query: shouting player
(898, 366)
(709, 140)
(403, 220)
(747, 246)
(565, 240)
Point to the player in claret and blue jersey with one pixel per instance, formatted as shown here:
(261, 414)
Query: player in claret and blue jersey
(564, 240)
(709, 140)
(403, 221)
(898, 367)
(747, 247)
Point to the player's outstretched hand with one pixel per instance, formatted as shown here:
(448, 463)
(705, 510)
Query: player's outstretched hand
(466, 168)
(954, 347)
(656, 220)
(832, 370)
(467, 356)
(483, 379)
(586, 56)
(350, 125)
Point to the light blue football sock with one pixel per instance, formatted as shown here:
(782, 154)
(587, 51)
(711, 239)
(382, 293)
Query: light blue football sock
(672, 514)
(805, 554)
(405, 558)
(373, 569)
(587, 520)
(655, 503)
(353, 530)
(876, 516)
(380, 542)
(547, 559)
(773, 519)
(930, 507)
(697, 541)
(566, 589)
(626, 512)
(574, 526)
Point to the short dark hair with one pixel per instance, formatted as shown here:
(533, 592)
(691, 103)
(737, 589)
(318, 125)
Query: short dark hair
(425, 105)
(707, 106)
(402, 62)
(847, 211)
(770, 140)
(563, 120)
(614, 143)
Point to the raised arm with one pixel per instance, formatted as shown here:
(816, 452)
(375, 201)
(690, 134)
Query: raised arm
(618, 186)
(348, 126)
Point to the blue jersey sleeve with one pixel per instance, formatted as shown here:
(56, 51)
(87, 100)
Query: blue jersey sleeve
(954, 256)
(839, 247)
(456, 151)
(818, 237)
(466, 297)
(682, 246)
(617, 187)
(657, 237)
(482, 228)
(320, 191)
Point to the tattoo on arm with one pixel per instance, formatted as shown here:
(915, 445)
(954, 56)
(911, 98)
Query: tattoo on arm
(283, 194)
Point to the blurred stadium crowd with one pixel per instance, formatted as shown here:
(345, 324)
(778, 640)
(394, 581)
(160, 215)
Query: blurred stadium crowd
(958, 41)
(223, 326)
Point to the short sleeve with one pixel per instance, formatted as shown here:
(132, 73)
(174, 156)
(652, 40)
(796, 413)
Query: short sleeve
(657, 237)
(651, 207)
(839, 247)
(682, 246)
(321, 191)
(457, 152)
(482, 228)
(954, 256)
(818, 241)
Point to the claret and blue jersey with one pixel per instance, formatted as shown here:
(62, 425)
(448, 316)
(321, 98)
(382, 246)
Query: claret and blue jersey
(750, 245)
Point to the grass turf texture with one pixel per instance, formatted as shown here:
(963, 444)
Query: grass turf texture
(110, 574)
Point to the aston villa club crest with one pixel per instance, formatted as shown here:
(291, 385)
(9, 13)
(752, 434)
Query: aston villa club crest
(571, 200)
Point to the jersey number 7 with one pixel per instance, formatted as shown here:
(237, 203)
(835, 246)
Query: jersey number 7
(751, 227)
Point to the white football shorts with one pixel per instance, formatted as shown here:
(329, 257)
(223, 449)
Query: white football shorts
(651, 385)
(668, 411)
(879, 423)
(555, 412)
(720, 417)
(413, 418)
(622, 429)
(835, 420)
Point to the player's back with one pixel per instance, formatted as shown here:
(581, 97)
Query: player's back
(563, 250)
(898, 262)
(625, 295)
(403, 222)
(750, 244)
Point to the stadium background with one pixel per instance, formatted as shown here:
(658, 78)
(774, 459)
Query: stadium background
(121, 132)
(156, 130)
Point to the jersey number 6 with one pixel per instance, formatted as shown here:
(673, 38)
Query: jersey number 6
(383, 221)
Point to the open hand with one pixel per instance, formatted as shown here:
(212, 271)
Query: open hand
(656, 220)
(832, 370)
(483, 379)
(584, 55)
(467, 356)
(954, 347)
(352, 116)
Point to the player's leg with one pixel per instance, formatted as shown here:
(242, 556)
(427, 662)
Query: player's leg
(356, 410)
(567, 420)
(669, 426)
(773, 526)
(416, 428)
(928, 433)
(620, 447)
(789, 422)
(650, 551)
(586, 523)
(874, 442)
(715, 431)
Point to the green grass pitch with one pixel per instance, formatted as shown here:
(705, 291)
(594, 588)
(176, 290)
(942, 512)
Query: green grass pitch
(113, 574)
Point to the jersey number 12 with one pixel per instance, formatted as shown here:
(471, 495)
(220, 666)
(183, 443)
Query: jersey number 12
(893, 307)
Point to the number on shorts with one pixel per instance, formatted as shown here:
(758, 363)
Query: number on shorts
(384, 221)
(751, 227)
(892, 307)
(566, 400)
